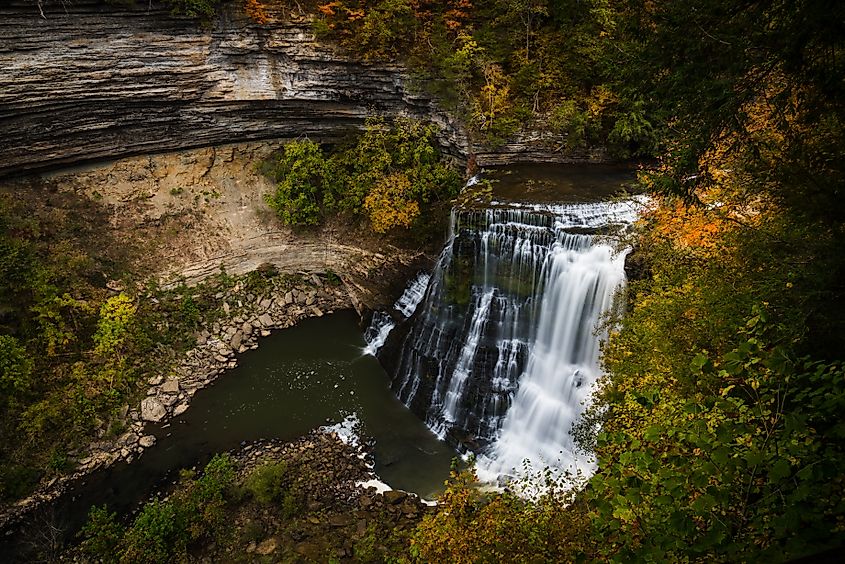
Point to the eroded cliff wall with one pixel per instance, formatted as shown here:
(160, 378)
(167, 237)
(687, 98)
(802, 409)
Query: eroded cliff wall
(92, 81)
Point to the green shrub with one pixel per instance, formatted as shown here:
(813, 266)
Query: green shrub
(304, 183)
(363, 178)
(102, 534)
(204, 9)
(163, 529)
(267, 482)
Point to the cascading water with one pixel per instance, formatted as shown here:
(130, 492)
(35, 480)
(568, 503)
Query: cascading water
(382, 323)
(502, 357)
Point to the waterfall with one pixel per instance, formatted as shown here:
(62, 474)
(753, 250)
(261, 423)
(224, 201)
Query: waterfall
(382, 323)
(503, 354)
(581, 279)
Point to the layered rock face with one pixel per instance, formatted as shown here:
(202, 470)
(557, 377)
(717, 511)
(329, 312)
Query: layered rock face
(92, 81)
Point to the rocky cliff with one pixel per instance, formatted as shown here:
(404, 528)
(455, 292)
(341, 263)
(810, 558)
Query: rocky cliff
(92, 81)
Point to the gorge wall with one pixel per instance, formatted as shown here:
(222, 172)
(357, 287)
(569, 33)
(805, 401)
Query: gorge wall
(91, 81)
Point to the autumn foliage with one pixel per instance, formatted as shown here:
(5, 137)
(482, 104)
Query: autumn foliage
(391, 175)
(390, 203)
(256, 11)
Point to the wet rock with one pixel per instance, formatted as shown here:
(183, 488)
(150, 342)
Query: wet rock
(180, 409)
(147, 441)
(394, 497)
(152, 410)
(127, 438)
(169, 400)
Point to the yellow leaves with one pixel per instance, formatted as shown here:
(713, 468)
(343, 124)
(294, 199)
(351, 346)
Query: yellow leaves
(116, 317)
(390, 203)
(495, 96)
(601, 97)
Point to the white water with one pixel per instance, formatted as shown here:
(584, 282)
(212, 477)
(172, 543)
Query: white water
(463, 368)
(382, 323)
(509, 371)
(412, 296)
(376, 334)
(581, 279)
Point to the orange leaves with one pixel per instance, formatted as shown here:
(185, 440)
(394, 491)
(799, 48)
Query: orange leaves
(688, 226)
(256, 11)
(329, 9)
(457, 15)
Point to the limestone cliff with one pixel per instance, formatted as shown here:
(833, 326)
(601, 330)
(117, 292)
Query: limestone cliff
(92, 81)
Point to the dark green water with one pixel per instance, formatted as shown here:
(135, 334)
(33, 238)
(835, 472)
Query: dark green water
(304, 377)
(300, 378)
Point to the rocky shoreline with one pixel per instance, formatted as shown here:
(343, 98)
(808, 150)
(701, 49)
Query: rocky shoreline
(248, 317)
(333, 507)
(344, 498)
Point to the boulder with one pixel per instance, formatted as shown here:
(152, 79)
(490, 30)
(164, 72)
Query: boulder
(265, 320)
(236, 341)
(171, 386)
(267, 547)
(146, 441)
(152, 410)
(394, 497)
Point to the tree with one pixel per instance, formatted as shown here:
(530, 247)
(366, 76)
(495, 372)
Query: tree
(304, 182)
(117, 315)
(390, 203)
(15, 369)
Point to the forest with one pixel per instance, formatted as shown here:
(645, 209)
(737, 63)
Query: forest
(718, 427)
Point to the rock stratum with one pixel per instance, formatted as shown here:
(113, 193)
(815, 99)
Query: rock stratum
(92, 81)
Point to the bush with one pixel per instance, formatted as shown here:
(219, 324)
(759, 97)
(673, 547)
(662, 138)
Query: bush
(163, 529)
(304, 184)
(391, 174)
(15, 369)
(267, 483)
